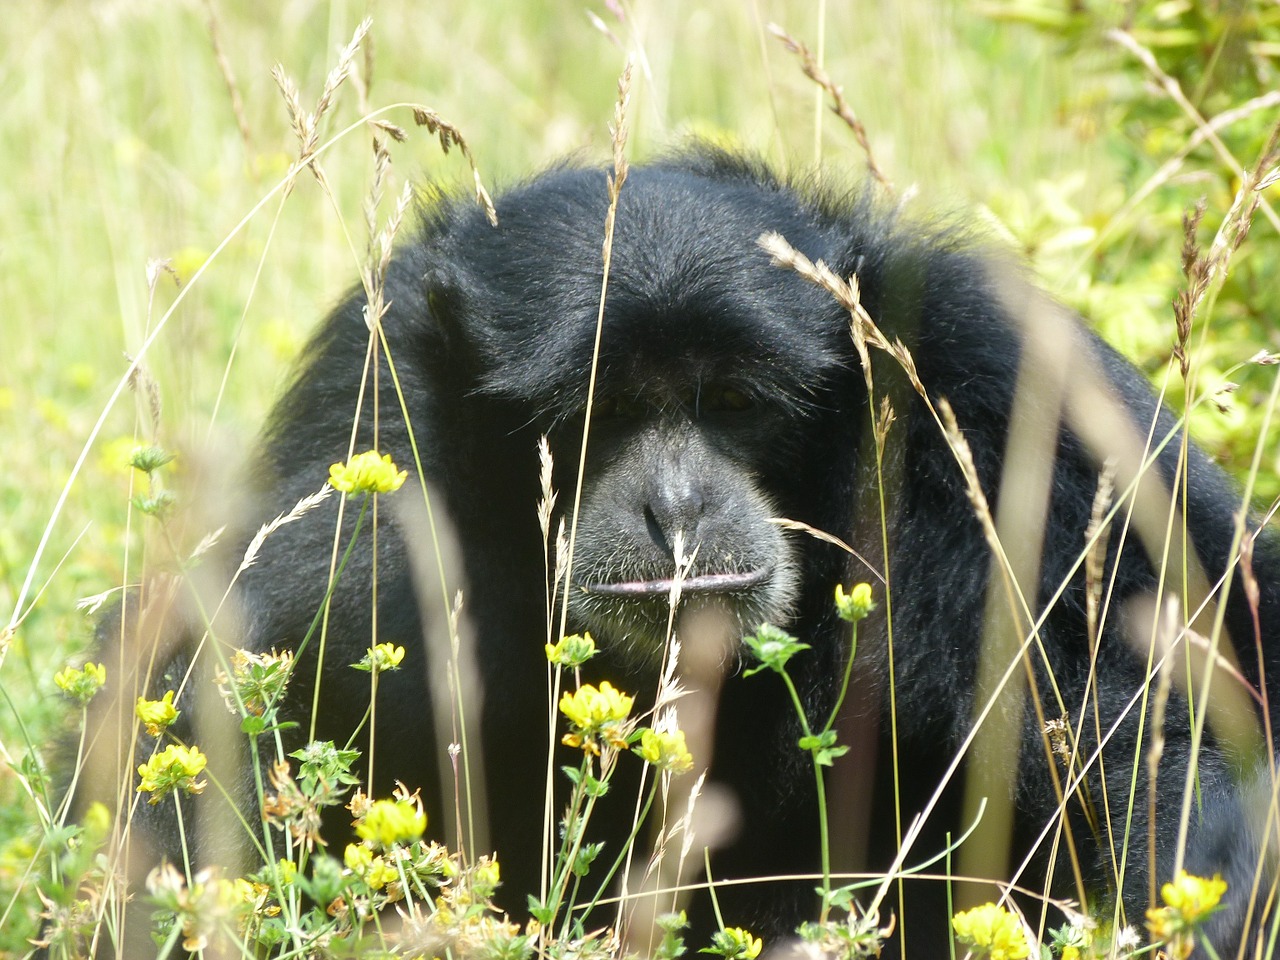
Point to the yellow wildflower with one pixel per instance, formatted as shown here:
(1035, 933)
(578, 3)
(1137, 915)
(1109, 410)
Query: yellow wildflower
(1188, 901)
(486, 877)
(856, 604)
(367, 473)
(156, 714)
(81, 684)
(381, 657)
(993, 931)
(375, 871)
(1193, 897)
(666, 750)
(596, 714)
(173, 768)
(734, 943)
(388, 822)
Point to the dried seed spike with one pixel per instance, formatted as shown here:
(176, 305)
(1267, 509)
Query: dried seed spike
(341, 71)
(618, 130)
(449, 135)
(292, 102)
(395, 132)
(839, 105)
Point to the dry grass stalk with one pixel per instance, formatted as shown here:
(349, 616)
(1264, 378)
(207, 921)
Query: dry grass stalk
(337, 76)
(228, 77)
(306, 126)
(207, 543)
(1097, 536)
(1170, 167)
(300, 510)
(831, 538)
(547, 502)
(839, 105)
(618, 131)
(1174, 91)
(141, 382)
(1162, 640)
(373, 273)
(1196, 268)
(450, 136)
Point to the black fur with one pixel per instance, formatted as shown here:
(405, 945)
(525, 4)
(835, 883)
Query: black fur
(729, 392)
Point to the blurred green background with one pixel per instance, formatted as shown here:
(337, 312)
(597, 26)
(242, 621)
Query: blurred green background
(121, 143)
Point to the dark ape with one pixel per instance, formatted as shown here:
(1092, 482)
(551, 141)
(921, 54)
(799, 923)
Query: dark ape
(729, 393)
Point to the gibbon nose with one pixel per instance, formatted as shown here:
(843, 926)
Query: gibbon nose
(675, 510)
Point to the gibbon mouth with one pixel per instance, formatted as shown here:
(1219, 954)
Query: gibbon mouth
(704, 583)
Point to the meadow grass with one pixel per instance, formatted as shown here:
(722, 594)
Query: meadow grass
(134, 133)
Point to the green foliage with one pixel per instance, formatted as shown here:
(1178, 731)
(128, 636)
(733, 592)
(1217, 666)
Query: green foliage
(1081, 156)
(1183, 101)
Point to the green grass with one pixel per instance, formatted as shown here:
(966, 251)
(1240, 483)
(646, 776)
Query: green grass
(119, 145)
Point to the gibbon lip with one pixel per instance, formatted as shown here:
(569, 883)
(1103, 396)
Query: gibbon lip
(703, 583)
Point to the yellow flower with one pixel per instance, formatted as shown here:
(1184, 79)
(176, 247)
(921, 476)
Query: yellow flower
(173, 768)
(367, 473)
(375, 871)
(665, 750)
(993, 931)
(734, 943)
(1188, 901)
(572, 651)
(83, 683)
(1193, 897)
(596, 714)
(388, 822)
(856, 604)
(156, 714)
(485, 878)
(381, 657)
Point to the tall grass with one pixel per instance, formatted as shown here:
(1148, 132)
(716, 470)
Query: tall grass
(132, 134)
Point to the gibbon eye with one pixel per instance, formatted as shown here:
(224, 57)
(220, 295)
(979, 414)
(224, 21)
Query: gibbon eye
(617, 408)
(718, 398)
(731, 400)
(715, 398)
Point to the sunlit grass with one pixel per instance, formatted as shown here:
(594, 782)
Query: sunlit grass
(120, 146)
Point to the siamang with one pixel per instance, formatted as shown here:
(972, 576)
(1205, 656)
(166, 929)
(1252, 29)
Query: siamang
(729, 392)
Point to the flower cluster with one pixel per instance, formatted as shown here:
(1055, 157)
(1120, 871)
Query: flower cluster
(81, 684)
(1188, 901)
(149, 459)
(367, 473)
(157, 715)
(257, 680)
(597, 714)
(773, 647)
(372, 869)
(204, 907)
(173, 768)
(665, 749)
(858, 934)
(463, 922)
(388, 822)
(992, 931)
